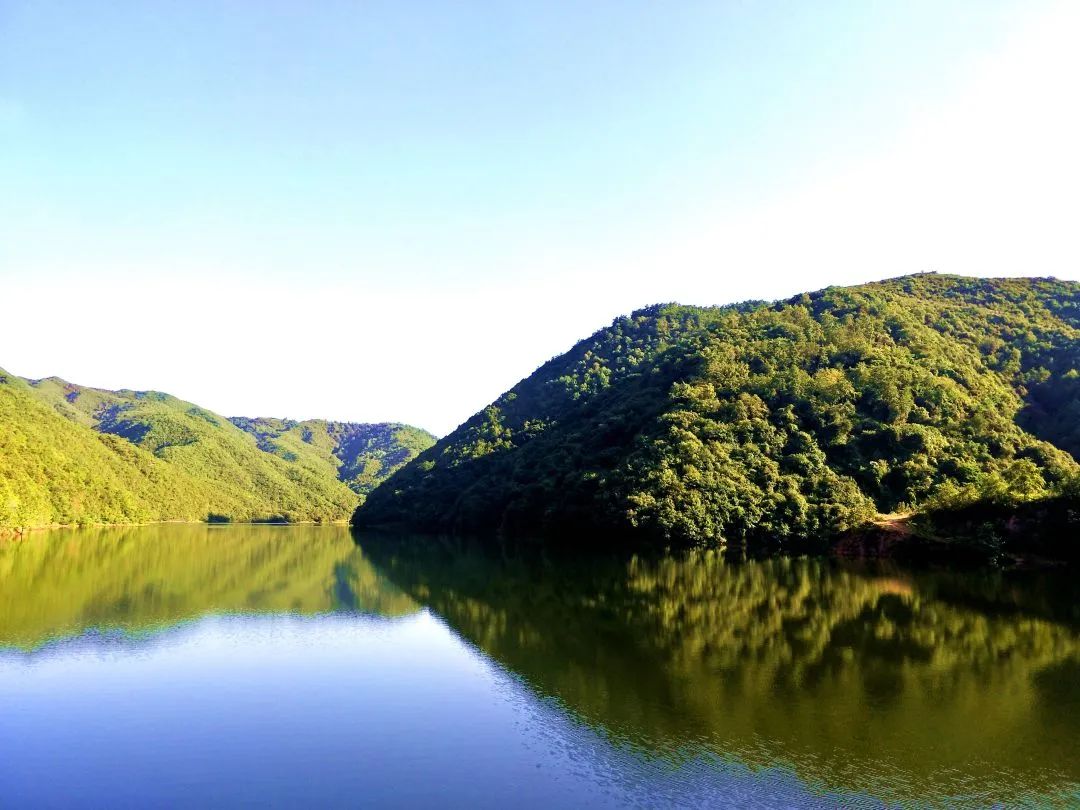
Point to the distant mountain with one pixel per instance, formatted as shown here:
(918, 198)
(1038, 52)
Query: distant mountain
(776, 422)
(72, 454)
(365, 454)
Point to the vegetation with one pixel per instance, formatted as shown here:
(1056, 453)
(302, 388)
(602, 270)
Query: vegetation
(771, 422)
(76, 455)
(364, 454)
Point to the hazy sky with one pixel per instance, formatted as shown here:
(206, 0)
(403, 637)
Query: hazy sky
(369, 211)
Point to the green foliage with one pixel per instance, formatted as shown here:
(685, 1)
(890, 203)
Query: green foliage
(76, 455)
(364, 455)
(770, 422)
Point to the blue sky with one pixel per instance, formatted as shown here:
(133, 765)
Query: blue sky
(367, 210)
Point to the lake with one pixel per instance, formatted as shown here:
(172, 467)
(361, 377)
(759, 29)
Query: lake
(199, 666)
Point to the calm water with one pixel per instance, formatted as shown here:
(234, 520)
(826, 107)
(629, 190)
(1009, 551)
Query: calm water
(196, 666)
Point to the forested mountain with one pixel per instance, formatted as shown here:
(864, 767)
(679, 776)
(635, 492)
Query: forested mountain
(72, 454)
(365, 454)
(795, 419)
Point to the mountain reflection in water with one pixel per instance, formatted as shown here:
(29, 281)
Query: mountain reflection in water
(908, 685)
(772, 681)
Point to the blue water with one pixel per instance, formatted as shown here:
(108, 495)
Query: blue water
(325, 711)
(129, 680)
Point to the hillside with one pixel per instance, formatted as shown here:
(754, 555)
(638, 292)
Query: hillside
(72, 454)
(364, 454)
(771, 422)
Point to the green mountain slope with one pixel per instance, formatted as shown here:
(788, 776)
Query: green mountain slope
(762, 421)
(53, 470)
(72, 454)
(364, 454)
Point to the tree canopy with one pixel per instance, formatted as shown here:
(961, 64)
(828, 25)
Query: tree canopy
(796, 419)
(76, 455)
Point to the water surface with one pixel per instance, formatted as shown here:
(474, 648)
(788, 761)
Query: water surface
(269, 665)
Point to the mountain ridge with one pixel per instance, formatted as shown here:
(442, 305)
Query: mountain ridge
(76, 454)
(770, 421)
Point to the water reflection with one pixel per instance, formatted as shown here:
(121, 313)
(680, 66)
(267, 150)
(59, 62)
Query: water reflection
(906, 685)
(688, 676)
(256, 666)
(139, 580)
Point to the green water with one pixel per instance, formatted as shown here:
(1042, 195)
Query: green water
(158, 659)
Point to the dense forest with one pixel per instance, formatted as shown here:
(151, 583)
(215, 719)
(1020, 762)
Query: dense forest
(76, 455)
(365, 454)
(778, 422)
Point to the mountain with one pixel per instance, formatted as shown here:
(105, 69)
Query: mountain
(73, 454)
(774, 422)
(364, 454)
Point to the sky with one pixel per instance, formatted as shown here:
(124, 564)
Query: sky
(375, 211)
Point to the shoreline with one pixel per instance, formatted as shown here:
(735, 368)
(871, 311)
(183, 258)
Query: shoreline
(12, 532)
(1035, 535)
(1013, 538)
